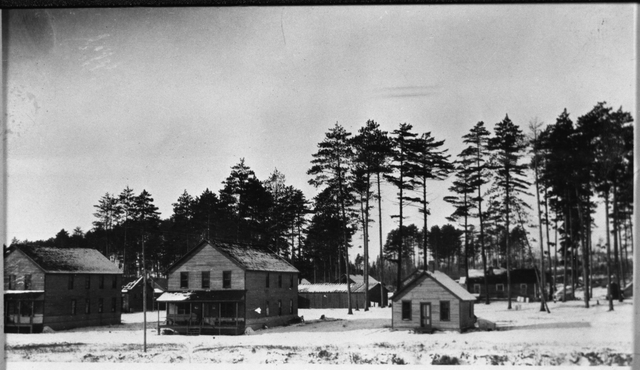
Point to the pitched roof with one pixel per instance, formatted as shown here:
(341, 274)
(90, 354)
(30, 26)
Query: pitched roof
(442, 279)
(329, 288)
(71, 260)
(359, 279)
(244, 256)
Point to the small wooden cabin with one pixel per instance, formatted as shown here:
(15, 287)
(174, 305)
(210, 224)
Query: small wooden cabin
(224, 288)
(132, 296)
(432, 300)
(59, 288)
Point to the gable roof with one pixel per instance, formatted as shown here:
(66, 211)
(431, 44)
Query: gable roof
(359, 279)
(329, 288)
(440, 278)
(71, 260)
(245, 256)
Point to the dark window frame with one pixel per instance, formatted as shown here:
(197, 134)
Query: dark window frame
(11, 281)
(87, 282)
(101, 282)
(226, 279)
(114, 282)
(87, 306)
(74, 307)
(70, 282)
(445, 311)
(406, 311)
(206, 280)
(499, 287)
(291, 281)
(100, 305)
(114, 304)
(267, 281)
(279, 280)
(279, 307)
(184, 279)
(290, 306)
(27, 282)
(266, 309)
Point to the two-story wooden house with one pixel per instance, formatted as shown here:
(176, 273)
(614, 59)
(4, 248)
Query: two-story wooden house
(224, 288)
(59, 288)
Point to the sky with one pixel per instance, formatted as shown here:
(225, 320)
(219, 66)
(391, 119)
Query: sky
(169, 99)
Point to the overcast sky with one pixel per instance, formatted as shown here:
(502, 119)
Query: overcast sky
(170, 99)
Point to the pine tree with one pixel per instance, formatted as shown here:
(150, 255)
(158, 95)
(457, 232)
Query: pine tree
(331, 167)
(508, 145)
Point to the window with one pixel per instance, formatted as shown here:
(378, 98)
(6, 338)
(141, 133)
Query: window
(279, 281)
(11, 280)
(267, 279)
(291, 281)
(184, 279)
(406, 310)
(87, 307)
(100, 305)
(27, 282)
(523, 289)
(73, 306)
(114, 304)
(476, 288)
(226, 279)
(445, 311)
(70, 284)
(266, 309)
(101, 282)
(279, 307)
(471, 310)
(87, 282)
(500, 287)
(114, 282)
(291, 306)
(205, 280)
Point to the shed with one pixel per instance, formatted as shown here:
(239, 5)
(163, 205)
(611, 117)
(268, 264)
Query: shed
(524, 283)
(59, 288)
(432, 300)
(374, 289)
(132, 296)
(330, 296)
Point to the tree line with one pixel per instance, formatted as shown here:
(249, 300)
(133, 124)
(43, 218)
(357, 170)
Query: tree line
(565, 167)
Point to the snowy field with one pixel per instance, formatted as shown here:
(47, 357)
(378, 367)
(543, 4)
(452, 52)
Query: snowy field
(569, 335)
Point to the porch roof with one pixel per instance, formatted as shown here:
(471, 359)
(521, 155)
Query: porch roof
(203, 296)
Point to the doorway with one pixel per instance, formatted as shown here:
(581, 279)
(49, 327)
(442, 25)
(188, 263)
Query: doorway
(425, 316)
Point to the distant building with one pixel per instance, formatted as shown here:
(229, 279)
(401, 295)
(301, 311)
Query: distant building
(59, 288)
(374, 289)
(330, 296)
(524, 283)
(432, 300)
(132, 296)
(224, 288)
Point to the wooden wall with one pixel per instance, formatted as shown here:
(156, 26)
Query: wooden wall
(428, 291)
(19, 265)
(58, 297)
(333, 300)
(207, 259)
(258, 295)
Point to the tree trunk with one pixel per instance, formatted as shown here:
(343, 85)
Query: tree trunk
(616, 260)
(564, 250)
(585, 276)
(543, 286)
(380, 235)
(508, 244)
(606, 212)
(546, 217)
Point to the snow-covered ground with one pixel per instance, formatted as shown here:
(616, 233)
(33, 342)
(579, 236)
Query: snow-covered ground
(570, 334)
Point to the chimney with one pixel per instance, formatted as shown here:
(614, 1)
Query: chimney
(431, 266)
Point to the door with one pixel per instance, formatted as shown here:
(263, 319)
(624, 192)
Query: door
(425, 315)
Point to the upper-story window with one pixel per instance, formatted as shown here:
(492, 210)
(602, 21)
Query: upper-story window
(267, 279)
(291, 281)
(205, 280)
(226, 279)
(70, 282)
(279, 281)
(184, 279)
(27, 282)
(101, 282)
(11, 281)
(87, 282)
(114, 282)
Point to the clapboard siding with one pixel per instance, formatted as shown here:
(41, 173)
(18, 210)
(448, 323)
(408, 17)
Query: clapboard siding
(429, 291)
(207, 259)
(19, 265)
(258, 295)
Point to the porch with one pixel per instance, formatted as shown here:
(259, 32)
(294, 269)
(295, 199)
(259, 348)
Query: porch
(23, 311)
(209, 312)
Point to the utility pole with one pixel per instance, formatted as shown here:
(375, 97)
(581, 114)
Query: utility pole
(144, 295)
